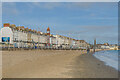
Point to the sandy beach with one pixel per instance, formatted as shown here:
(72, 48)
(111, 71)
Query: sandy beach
(54, 64)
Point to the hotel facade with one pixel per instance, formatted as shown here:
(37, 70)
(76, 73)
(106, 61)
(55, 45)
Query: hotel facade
(20, 37)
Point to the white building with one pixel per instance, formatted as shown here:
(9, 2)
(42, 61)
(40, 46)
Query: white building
(6, 35)
(19, 37)
(105, 47)
(83, 44)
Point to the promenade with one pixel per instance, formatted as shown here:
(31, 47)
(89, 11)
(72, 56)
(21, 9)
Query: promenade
(54, 64)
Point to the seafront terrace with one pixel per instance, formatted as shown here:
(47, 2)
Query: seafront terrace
(25, 38)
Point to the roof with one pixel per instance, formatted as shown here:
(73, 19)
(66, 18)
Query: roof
(12, 25)
(48, 29)
(82, 40)
(6, 24)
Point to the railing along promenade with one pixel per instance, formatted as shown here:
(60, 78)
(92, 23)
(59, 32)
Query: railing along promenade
(32, 48)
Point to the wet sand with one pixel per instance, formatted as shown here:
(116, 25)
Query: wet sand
(54, 64)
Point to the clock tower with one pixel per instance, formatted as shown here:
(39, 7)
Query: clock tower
(48, 31)
(48, 37)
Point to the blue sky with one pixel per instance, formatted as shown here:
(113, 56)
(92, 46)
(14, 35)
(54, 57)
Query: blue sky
(79, 20)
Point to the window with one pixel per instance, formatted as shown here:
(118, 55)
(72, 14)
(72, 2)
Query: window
(5, 39)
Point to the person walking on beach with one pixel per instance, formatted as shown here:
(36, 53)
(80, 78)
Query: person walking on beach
(88, 50)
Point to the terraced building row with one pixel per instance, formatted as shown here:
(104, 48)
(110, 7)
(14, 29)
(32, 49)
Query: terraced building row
(21, 37)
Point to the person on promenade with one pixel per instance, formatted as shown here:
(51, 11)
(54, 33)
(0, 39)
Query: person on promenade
(88, 50)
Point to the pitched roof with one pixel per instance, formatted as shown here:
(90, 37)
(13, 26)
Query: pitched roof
(48, 29)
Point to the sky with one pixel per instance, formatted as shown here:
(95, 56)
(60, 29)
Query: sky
(60, 0)
(78, 20)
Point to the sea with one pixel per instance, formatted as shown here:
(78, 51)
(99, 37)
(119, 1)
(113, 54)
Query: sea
(110, 58)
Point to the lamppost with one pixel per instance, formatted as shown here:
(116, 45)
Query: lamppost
(38, 40)
(94, 45)
(33, 43)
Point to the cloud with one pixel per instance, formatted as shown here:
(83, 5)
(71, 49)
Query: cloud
(12, 7)
(9, 8)
(60, 0)
(94, 17)
(52, 5)
(69, 32)
(46, 5)
(106, 18)
(99, 29)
